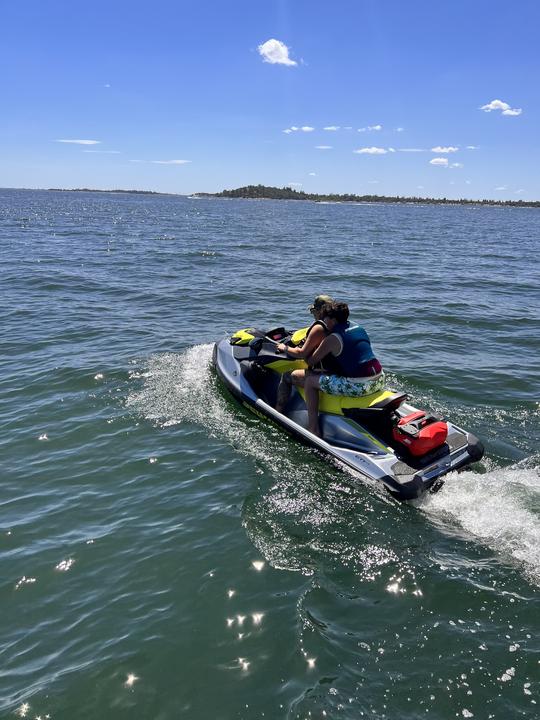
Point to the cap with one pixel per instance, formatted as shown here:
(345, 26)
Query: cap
(319, 301)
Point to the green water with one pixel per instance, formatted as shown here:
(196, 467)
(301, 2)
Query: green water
(166, 554)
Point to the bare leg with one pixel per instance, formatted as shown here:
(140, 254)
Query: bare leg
(298, 377)
(311, 388)
(288, 379)
(310, 383)
(283, 391)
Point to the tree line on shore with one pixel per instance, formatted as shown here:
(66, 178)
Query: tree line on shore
(265, 192)
(261, 192)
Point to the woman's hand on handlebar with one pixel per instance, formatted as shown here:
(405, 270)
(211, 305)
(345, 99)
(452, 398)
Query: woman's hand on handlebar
(280, 348)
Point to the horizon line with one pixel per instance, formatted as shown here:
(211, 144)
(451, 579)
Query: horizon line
(416, 198)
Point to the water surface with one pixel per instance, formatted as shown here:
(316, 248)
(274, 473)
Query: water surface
(166, 554)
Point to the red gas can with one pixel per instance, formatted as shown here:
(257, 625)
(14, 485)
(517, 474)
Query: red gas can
(420, 433)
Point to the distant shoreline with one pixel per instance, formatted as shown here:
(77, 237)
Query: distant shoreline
(263, 192)
(125, 192)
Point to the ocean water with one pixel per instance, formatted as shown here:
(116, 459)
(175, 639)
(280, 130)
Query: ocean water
(165, 554)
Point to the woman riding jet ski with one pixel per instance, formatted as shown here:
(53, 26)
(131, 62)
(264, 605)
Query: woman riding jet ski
(376, 434)
(350, 365)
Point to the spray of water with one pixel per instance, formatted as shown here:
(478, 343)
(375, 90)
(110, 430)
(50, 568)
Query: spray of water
(181, 388)
(500, 508)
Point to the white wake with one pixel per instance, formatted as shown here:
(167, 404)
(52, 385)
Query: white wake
(500, 508)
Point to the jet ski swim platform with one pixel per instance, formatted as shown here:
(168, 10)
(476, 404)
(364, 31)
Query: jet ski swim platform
(380, 436)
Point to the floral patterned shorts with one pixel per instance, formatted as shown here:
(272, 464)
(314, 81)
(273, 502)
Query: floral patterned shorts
(351, 387)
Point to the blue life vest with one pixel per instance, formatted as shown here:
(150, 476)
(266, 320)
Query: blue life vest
(356, 350)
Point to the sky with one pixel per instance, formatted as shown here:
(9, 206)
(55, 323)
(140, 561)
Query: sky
(385, 97)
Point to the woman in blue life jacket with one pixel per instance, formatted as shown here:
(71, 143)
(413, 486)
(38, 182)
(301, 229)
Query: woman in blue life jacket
(347, 351)
(316, 333)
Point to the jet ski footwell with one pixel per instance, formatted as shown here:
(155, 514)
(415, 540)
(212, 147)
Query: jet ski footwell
(358, 432)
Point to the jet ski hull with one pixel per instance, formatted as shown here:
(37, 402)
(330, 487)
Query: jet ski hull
(357, 437)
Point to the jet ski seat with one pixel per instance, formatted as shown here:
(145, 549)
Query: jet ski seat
(389, 404)
(378, 410)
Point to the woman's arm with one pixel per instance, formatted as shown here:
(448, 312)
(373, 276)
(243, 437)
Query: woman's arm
(329, 345)
(314, 339)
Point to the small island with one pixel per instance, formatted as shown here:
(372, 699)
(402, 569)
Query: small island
(264, 192)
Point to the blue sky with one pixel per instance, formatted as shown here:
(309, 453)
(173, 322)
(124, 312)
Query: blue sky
(153, 84)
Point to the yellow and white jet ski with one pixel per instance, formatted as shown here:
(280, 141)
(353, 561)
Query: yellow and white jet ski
(380, 436)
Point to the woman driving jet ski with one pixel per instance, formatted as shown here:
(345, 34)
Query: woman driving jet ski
(347, 351)
(316, 333)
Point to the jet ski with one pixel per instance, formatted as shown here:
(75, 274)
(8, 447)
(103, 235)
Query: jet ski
(380, 436)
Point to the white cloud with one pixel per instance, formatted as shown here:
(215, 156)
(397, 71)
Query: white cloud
(500, 188)
(104, 152)
(456, 165)
(80, 142)
(370, 128)
(348, 127)
(294, 128)
(500, 105)
(495, 105)
(373, 182)
(472, 147)
(275, 52)
(331, 127)
(390, 149)
(313, 174)
(371, 151)
(443, 162)
(163, 162)
(411, 150)
(419, 187)
(446, 149)
(170, 162)
(518, 192)
(467, 182)
(295, 184)
(323, 147)
(400, 129)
